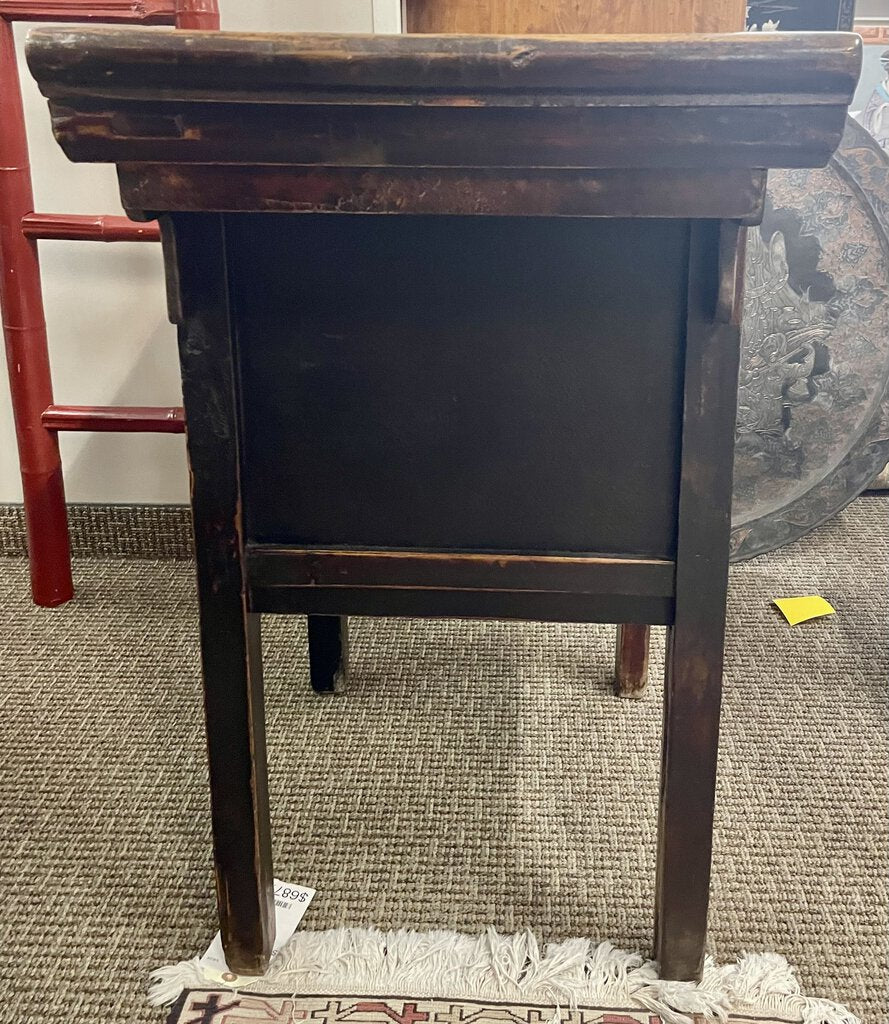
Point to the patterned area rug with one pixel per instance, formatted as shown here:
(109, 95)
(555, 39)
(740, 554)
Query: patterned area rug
(202, 1006)
(443, 977)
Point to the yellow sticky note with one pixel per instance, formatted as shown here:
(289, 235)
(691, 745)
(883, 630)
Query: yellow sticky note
(801, 609)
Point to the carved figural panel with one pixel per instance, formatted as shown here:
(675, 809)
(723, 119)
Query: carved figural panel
(801, 15)
(813, 416)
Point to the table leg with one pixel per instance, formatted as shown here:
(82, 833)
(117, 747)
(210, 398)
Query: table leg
(231, 653)
(692, 688)
(693, 679)
(233, 705)
(328, 652)
(631, 660)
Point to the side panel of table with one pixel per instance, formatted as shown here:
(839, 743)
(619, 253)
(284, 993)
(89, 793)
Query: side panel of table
(484, 384)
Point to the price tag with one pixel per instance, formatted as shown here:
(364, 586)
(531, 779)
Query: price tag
(801, 609)
(291, 902)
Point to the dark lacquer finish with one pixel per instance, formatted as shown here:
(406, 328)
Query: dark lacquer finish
(509, 392)
(230, 634)
(328, 651)
(693, 680)
(579, 126)
(803, 15)
(435, 381)
(631, 660)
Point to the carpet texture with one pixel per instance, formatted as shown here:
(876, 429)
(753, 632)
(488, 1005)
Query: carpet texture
(474, 774)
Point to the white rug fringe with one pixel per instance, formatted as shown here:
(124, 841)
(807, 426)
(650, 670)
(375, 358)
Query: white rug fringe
(577, 972)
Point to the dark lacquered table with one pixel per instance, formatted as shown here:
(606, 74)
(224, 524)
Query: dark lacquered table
(458, 325)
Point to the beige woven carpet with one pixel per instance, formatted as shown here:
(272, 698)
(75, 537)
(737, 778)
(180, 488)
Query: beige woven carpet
(475, 774)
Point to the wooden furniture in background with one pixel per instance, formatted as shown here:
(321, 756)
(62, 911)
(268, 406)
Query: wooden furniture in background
(509, 394)
(573, 17)
(804, 15)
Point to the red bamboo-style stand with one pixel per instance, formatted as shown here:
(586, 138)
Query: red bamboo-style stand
(37, 418)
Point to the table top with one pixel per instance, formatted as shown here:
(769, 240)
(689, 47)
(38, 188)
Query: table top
(563, 118)
(339, 67)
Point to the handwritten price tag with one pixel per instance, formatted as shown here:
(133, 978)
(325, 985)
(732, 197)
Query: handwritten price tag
(291, 902)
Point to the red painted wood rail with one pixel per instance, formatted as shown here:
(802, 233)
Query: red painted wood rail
(37, 418)
(193, 14)
(127, 419)
(97, 229)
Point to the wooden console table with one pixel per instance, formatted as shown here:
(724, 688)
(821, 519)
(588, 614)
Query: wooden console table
(511, 393)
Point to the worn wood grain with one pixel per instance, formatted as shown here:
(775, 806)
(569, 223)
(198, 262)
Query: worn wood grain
(730, 294)
(693, 681)
(526, 192)
(732, 101)
(675, 70)
(269, 566)
(631, 660)
(365, 122)
(230, 634)
(378, 135)
(573, 16)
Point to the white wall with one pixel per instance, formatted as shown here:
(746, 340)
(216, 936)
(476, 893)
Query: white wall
(872, 9)
(110, 340)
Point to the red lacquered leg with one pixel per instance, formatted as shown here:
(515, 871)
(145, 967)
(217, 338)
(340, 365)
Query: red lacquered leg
(197, 14)
(27, 357)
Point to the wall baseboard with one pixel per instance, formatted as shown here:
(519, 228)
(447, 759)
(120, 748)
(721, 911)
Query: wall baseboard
(110, 531)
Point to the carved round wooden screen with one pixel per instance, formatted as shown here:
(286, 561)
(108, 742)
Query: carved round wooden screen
(813, 411)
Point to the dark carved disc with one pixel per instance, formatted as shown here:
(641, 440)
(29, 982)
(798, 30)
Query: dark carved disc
(813, 399)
